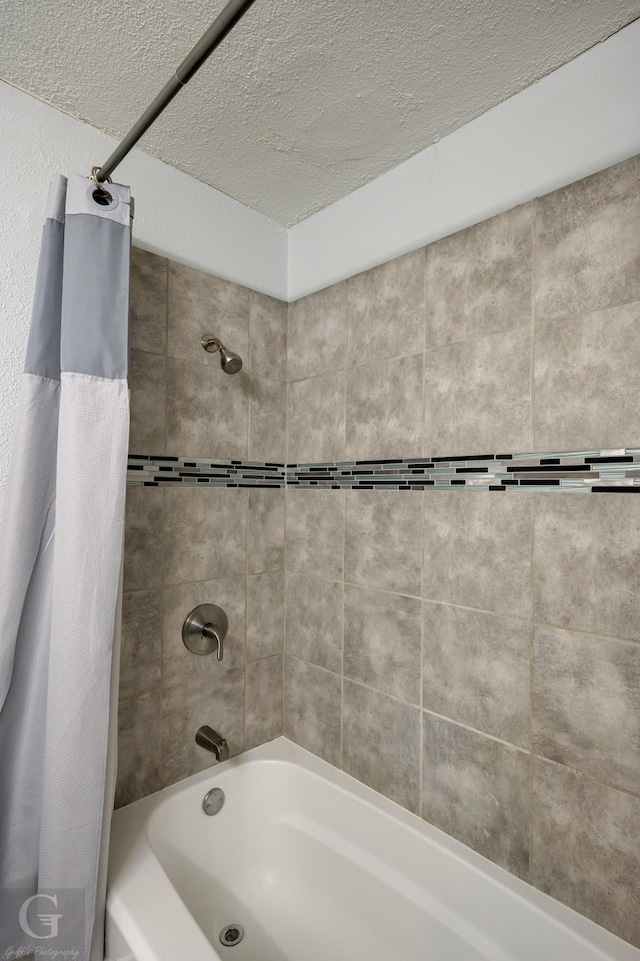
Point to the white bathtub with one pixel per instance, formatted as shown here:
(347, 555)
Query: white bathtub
(317, 867)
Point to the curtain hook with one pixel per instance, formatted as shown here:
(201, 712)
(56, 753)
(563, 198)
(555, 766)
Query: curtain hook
(103, 196)
(99, 184)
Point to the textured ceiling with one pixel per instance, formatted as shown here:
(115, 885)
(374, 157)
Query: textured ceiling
(307, 99)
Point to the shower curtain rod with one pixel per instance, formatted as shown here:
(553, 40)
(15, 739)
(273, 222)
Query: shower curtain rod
(221, 26)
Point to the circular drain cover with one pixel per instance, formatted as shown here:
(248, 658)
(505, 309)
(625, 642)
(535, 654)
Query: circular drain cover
(232, 934)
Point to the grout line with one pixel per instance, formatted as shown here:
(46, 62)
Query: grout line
(422, 666)
(345, 346)
(485, 335)
(164, 525)
(252, 381)
(475, 730)
(586, 311)
(246, 613)
(589, 777)
(159, 586)
(369, 687)
(423, 421)
(371, 363)
(580, 630)
(343, 594)
(532, 358)
(264, 657)
(285, 508)
(531, 675)
(246, 528)
(347, 328)
(545, 320)
(532, 423)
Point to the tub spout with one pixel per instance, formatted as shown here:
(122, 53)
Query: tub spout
(210, 740)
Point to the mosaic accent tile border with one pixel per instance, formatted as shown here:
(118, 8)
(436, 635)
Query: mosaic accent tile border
(595, 471)
(150, 470)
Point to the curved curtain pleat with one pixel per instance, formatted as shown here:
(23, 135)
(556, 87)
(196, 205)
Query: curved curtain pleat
(60, 582)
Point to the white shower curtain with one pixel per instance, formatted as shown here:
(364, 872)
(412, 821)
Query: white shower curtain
(60, 570)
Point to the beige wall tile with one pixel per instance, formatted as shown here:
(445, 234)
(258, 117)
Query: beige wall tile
(586, 847)
(316, 419)
(384, 410)
(264, 701)
(148, 302)
(586, 572)
(477, 396)
(187, 705)
(382, 540)
(312, 703)
(477, 670)
(141, 643)
(265, 615)
(200, 303)
(207, 411)
(314, 620)
(586, 366)
(587, 704)
(477, 550)
(139, 748)
(386, 310)
(477, 790)
(316, 333)
(480, 279)
(205, 534)
(265, 531)
(148, 399)
(587, 251)
(139, 678)
(268, 326)
(315, 532)
(381, 743)
(382, 641)
(268, 412)
(143, 542)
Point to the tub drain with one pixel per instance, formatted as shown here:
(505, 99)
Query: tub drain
(232, 934)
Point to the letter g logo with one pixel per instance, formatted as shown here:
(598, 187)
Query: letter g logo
(49, 921)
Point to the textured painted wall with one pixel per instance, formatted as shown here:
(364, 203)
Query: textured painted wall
(175, 214)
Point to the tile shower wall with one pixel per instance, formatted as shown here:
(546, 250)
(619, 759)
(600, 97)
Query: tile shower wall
(475, 656)
(188, 546)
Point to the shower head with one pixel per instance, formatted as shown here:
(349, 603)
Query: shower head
(230, 362)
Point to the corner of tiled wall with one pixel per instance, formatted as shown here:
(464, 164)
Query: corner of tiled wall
(475, 656)
(189, 546)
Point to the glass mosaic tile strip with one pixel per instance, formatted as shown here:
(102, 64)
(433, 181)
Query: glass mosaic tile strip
(565, 471)
(198, 472)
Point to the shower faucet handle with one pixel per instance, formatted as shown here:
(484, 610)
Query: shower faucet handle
(205, 629)
(211, 633)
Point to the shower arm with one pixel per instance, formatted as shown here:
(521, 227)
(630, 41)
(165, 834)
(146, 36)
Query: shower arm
(221, 26)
